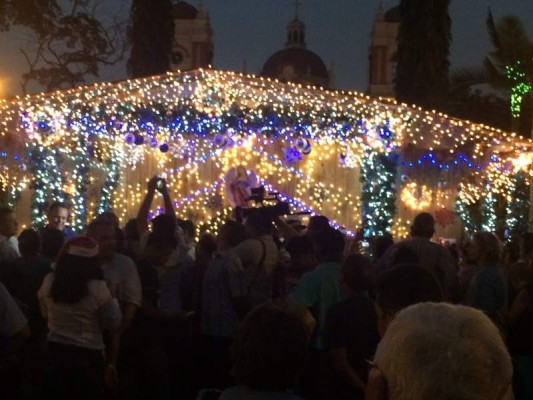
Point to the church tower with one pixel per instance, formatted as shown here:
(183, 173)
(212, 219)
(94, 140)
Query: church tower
(193, 45)
(382, 52)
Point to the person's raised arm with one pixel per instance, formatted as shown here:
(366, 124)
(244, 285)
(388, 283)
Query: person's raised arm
(169, 207)
(285, 230)
(144, 209)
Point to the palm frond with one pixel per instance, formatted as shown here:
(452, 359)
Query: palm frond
(493, 32)
(495, 74)
(467, 77)
(513, 39)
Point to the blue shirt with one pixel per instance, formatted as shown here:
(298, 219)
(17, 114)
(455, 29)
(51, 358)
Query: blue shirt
(488, 292)
(318, 290)
(69, 233)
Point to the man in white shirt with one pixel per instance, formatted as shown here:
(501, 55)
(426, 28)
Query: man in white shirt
(8, 230)
(120, 272)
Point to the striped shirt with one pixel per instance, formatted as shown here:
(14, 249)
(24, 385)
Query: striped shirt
(223, 281)
(432, 256)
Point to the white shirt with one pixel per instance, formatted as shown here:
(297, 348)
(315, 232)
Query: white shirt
(123, 280)
(8, 249)
(80, 324)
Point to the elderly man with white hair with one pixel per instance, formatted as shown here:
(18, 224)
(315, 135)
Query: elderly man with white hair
(441, 351)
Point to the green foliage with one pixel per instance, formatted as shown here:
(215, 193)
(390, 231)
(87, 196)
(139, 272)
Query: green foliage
(507, 71)
(378, 177)
(498, 213)
(518, 207)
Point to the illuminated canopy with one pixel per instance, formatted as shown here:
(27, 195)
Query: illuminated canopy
(341, 154)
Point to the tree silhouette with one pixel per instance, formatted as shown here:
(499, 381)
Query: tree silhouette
(151, 36)
(507, 69)
(423, 52)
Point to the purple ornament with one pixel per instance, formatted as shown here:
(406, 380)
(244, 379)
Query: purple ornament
(139, 140)
(292, 154)
(163, 148)
(129, 137)
(153, 143)
(301, 143)
(220, 140)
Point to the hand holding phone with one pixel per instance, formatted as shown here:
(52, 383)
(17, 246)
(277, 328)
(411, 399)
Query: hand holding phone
(161, 184)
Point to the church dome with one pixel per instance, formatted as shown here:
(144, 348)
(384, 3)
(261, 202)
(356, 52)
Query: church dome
(306, 66)
(295, 63)
(183, 10)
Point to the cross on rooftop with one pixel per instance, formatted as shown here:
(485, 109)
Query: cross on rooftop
(297, 4)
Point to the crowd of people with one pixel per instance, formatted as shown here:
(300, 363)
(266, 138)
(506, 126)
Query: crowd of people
(265, 309)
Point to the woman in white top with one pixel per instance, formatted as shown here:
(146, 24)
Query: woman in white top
(79, 308)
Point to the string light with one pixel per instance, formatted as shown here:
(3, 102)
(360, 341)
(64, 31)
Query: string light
(86, 146)
(521, 87)
(416, 197)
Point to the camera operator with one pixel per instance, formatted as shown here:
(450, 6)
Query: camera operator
(259, 257)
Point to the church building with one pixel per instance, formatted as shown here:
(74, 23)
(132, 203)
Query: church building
(193, 48)
(193, 37)
(382, 52)
(296, 63)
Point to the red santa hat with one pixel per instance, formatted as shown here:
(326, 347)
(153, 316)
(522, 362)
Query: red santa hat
(82, 246)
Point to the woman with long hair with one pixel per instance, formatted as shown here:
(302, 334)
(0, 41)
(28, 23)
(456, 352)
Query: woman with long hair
(488, 289)
(79, 308)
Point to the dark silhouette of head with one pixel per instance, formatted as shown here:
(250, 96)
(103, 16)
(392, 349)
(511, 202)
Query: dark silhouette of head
(270, 349)
(401, 287)
(160, 247)
(52, 242)
(317, 224)
(229, 235)
(111, 217)
(29, 243)
(206, 247)
(189, 230)
(329, 244)
(404, 255)
(105, 233)
(302, 252)
(131, 231)
(423, 225)
(77, 264)
(257, 225)
(357, 273)
(382, 244)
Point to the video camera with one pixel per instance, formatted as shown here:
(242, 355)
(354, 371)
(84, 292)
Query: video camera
(269, 212)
